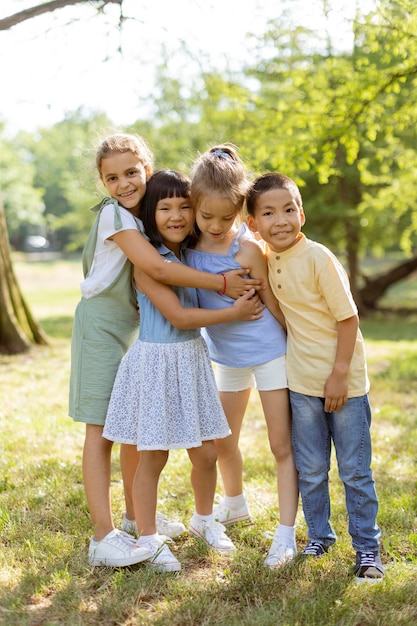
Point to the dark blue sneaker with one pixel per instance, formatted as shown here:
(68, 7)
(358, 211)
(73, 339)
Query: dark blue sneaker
(368, 568)
(314, 548)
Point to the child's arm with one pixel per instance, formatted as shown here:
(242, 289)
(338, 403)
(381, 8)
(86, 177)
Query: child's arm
(336, 386)
(251, 255)
(144, 256)
(246, 307)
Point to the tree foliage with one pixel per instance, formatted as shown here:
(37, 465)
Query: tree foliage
(63, 157)
(22, 200)
(18, 328)
(345, 126)
(340, 121)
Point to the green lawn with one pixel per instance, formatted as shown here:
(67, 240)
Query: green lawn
(45, 528)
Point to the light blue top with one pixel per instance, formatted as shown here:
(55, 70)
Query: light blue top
(236, 344)
(154, 328)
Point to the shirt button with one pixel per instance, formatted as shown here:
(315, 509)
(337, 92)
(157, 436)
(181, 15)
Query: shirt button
(277, 258)
(279, 271)
(279, 286)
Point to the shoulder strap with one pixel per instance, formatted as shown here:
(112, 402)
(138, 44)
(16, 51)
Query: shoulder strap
(90, 244)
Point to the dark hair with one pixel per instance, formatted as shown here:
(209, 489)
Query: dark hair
(269, 181)
(162, 184)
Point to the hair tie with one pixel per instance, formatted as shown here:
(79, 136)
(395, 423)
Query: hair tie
(222, 154)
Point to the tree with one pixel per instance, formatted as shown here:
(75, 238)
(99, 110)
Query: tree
(47, 7)
(23, 205)
(18, 329)
(62, 157)
(344, 124)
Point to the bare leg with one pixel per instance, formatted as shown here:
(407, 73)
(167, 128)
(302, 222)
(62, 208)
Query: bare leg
(96, 475)
(203, 476)
(129, 459)
(228, 452)
(145, 489)
(277, 413)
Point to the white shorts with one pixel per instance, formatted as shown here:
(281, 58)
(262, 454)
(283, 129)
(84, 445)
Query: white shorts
(264, 377)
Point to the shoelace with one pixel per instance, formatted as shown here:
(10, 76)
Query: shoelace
(314, 547)
(214, 530)
(162, 547)
(124, 540)
(367, 559)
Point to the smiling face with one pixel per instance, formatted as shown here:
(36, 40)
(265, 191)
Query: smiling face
(278, 218)
(174, 219)
(124, 178)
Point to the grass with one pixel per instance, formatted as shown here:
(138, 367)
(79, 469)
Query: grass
(45, 528)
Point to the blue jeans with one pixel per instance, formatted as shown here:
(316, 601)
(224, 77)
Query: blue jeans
(312, 432)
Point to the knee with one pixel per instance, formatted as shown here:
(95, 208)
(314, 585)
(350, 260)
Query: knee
(354, 475)
(227, 448)
(206, 457)
(281, 452)
(155, 459)
(210, 456)
(313, 476)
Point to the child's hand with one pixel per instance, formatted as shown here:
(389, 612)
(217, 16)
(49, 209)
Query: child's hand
(237, 284)
(249, 306)
(335, 392)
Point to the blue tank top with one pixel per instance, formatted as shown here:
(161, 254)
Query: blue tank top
(236, 344)
(154, 328)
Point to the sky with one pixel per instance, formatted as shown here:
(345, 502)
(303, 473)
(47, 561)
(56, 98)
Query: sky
(53, 64)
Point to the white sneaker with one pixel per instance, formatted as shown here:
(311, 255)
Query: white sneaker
(280, 551)
(116, 550)
(167, 527)
(129, 525)
(164, 526)
(212, 533)
(226, 515)
(162, 558)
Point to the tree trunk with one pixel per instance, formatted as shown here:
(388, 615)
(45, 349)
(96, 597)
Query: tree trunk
(375, 288)
(350, 194)
(18, 329)
(352, 261)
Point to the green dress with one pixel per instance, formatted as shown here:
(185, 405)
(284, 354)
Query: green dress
(105, 326)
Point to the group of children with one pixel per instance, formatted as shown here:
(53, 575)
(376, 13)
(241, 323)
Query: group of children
(275, 312)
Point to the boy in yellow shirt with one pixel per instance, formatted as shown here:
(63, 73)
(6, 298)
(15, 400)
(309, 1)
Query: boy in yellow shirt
(326, 369)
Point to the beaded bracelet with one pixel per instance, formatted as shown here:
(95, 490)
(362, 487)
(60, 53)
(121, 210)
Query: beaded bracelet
(221, 293)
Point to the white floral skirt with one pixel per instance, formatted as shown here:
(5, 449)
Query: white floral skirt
(165, 397)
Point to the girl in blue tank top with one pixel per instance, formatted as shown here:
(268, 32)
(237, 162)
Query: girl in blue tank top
(246, 354)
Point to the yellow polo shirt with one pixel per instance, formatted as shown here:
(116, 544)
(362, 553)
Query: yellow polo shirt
(314, 294)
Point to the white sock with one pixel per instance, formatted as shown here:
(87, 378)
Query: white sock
(204, 518)
(145, 539)
(234, 502)
(287, 533)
